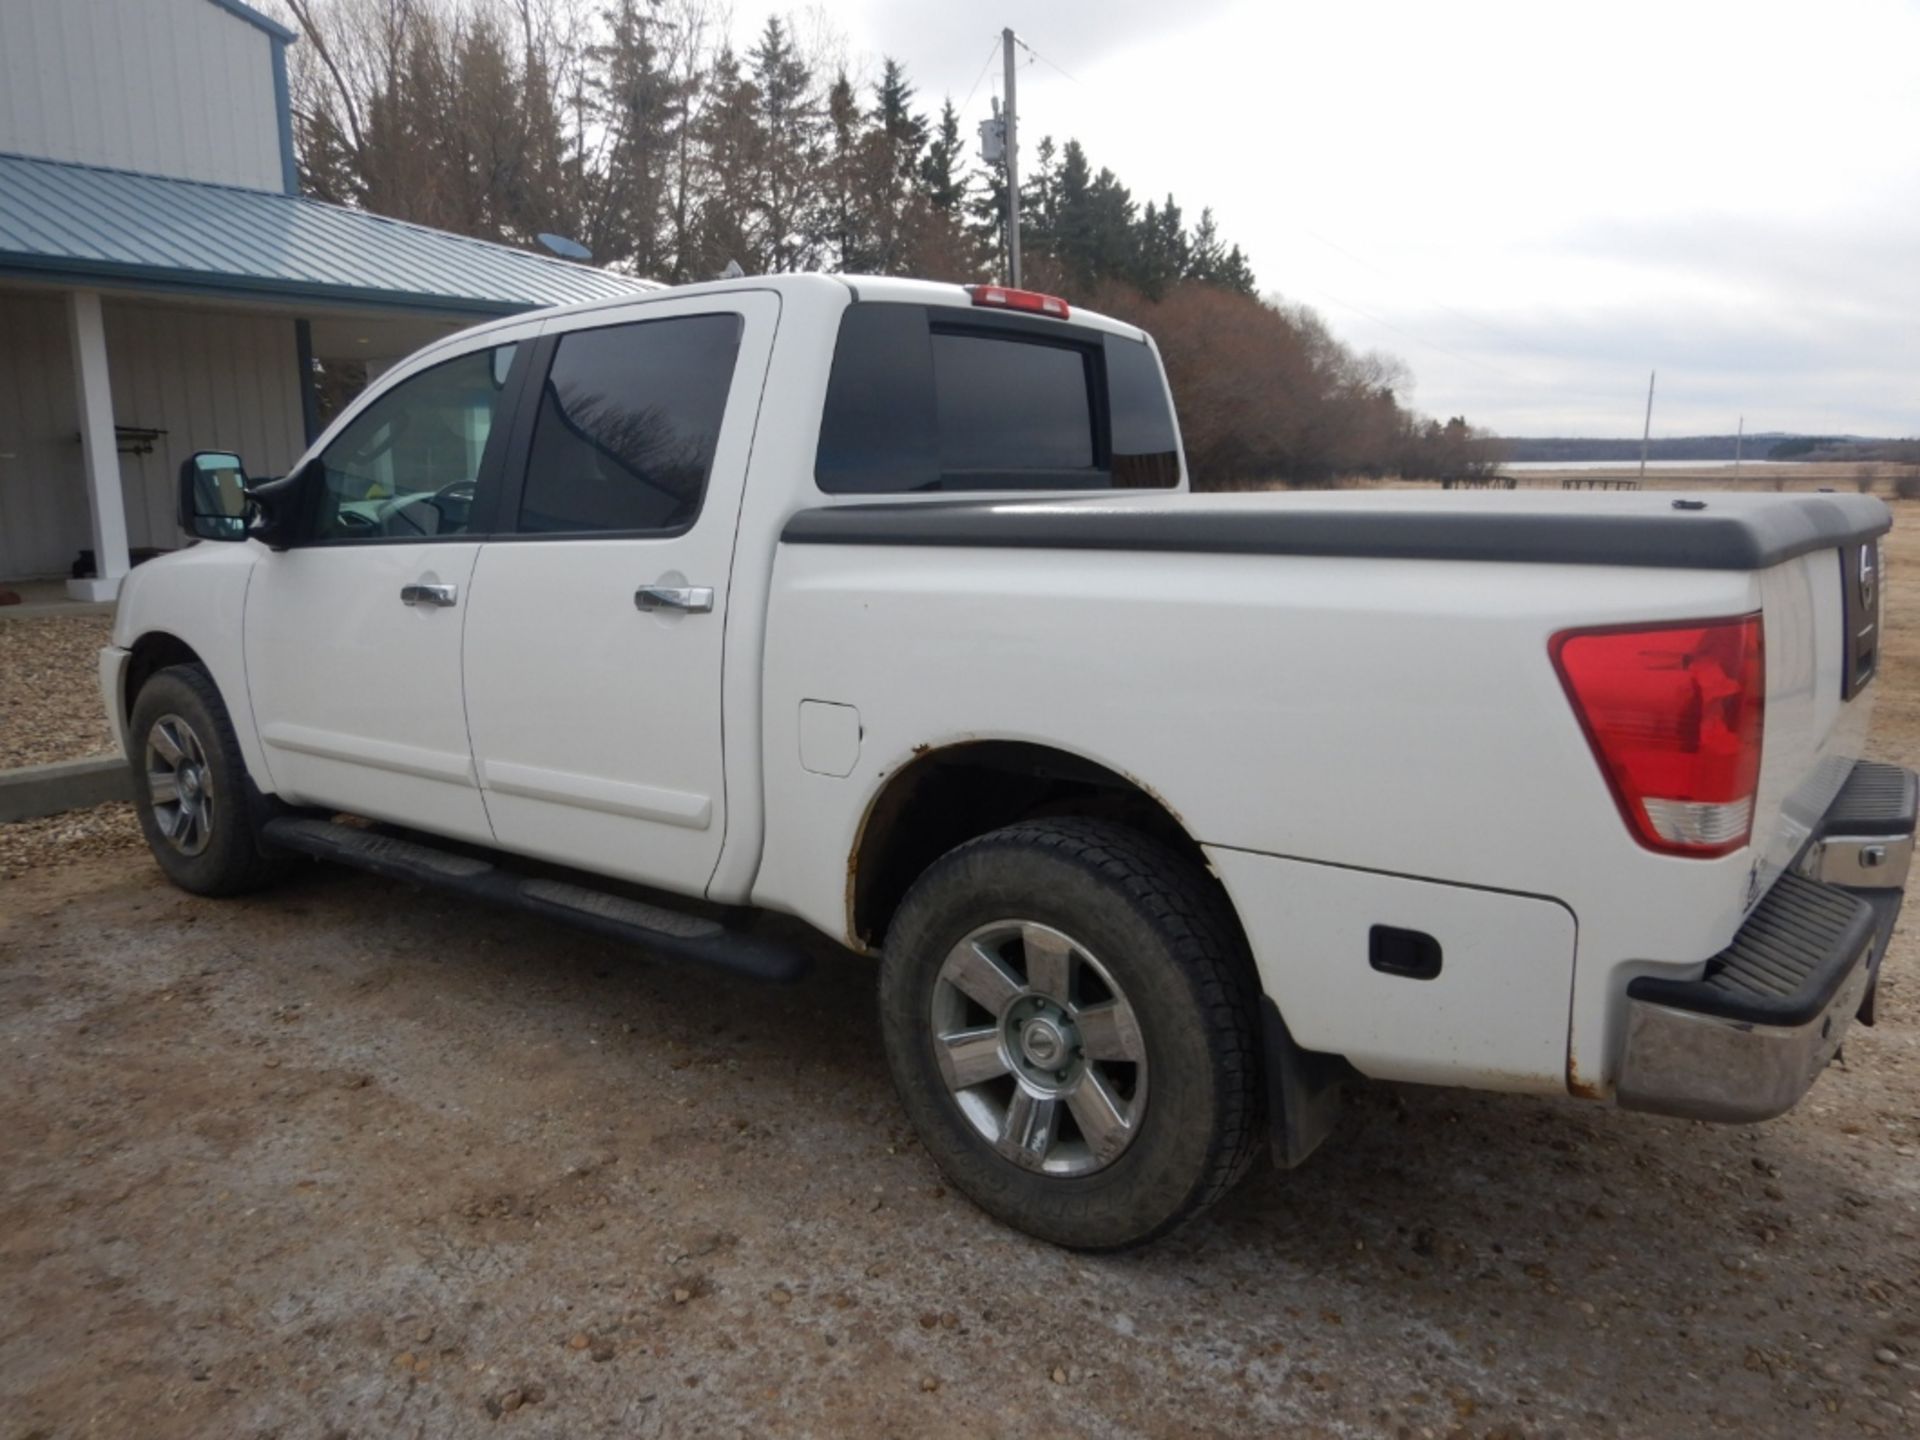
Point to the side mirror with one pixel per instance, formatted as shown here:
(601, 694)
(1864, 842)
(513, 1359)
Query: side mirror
(277, 506)
(214, 504)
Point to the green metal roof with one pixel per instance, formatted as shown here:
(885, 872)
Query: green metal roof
(88, 225)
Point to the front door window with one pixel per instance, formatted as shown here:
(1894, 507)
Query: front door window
(407, 466)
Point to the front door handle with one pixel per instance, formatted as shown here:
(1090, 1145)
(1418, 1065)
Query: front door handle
(698, 599)
(421, 594)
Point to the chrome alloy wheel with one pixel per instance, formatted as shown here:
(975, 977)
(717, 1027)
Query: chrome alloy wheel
(180, 782)
(1039, 1048)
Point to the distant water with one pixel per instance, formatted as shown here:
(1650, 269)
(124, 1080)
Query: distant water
(1727, 465)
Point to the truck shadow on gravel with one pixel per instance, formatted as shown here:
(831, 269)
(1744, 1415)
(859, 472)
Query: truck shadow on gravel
(1421, 1196)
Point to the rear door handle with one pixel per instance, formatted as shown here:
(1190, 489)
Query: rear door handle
(697, 599)
(421, 594)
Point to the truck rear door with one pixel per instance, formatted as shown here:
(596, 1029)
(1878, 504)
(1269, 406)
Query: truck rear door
(593, 647)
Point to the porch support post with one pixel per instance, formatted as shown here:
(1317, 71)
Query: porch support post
(309, 396)
(87, 339)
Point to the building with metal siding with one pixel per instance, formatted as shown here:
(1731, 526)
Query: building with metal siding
(163, 289)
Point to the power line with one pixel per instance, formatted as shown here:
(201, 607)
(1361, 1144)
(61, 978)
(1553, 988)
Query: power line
(992, 51)
(1505, 338)
(1043, 59)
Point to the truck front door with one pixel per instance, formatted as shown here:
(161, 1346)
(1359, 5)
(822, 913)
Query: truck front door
(594, 646)
(352, 634)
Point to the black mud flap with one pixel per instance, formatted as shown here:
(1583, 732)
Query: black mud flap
(1303, 1090)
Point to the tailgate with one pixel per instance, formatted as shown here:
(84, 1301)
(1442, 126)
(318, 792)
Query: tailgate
(1823, 621)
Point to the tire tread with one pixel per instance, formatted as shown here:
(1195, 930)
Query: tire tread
(244, 864)
(1186, 908)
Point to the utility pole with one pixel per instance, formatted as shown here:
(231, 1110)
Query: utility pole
(1739, 438)
(1013, 165)
(1647, 433)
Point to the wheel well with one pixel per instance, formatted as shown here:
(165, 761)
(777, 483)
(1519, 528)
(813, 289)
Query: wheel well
(153, 653)
(948, 796)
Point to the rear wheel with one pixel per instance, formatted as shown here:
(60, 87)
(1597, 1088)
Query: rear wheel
(190, 787)
(1070, 1018)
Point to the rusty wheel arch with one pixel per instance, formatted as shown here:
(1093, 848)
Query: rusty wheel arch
(946, 796)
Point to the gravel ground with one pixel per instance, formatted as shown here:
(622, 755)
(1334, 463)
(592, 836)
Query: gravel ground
(64, 839)
(50, 689)
(349, 1159)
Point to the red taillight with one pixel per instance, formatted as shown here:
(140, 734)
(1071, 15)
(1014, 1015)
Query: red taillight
(1001, 298)
(1674, 715)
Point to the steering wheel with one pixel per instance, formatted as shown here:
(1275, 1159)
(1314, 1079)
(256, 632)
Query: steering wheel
(454, 502)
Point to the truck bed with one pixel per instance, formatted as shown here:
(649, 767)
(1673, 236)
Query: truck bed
(1723, 532)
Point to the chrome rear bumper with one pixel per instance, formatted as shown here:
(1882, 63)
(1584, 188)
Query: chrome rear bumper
(1748, 1038)
(1708, 1067)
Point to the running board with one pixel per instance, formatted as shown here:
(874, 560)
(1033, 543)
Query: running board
(671, 933)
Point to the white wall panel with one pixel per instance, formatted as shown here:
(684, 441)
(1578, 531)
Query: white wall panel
(168, 87)
(43, 504)
(211, 379)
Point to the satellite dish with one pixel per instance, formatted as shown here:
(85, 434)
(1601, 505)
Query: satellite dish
(565, 248)
(733, 271)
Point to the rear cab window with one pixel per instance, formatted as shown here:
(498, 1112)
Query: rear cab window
(938, 398)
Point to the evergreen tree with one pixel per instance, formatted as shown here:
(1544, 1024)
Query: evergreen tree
(1109, 235)
(945, 184)
(547, 196)
(724, 227)
(1039, 209)
(328, 160)
(639, 106)
(1236, 274)
(1204, 255)
(1161, 249)
(1073, 245)
(987, 217)
(905, 132)
(790, 121)
(847, 200)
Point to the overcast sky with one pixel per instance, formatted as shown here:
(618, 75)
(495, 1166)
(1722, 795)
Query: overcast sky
(1532, 204)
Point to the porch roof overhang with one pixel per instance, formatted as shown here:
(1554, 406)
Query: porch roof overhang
(87, 226)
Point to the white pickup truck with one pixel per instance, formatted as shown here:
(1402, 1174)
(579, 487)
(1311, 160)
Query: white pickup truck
(884, 604)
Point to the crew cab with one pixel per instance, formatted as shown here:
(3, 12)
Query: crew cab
(886, 605)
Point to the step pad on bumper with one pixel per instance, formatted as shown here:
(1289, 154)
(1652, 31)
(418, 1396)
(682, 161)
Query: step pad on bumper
(1876, 800)
(1784, 965)
(1746, 1040)
(1865, 839)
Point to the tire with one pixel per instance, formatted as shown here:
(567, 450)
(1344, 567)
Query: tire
(1171, 1132)
(197, 808)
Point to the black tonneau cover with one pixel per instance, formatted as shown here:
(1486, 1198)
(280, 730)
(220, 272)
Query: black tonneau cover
(1700, 532)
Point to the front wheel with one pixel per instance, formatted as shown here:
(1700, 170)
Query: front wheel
(190, 787)
(1070, 1015)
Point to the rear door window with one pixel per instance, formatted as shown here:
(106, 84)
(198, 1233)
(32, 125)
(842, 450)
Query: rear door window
(934, 398)
(629, 417)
